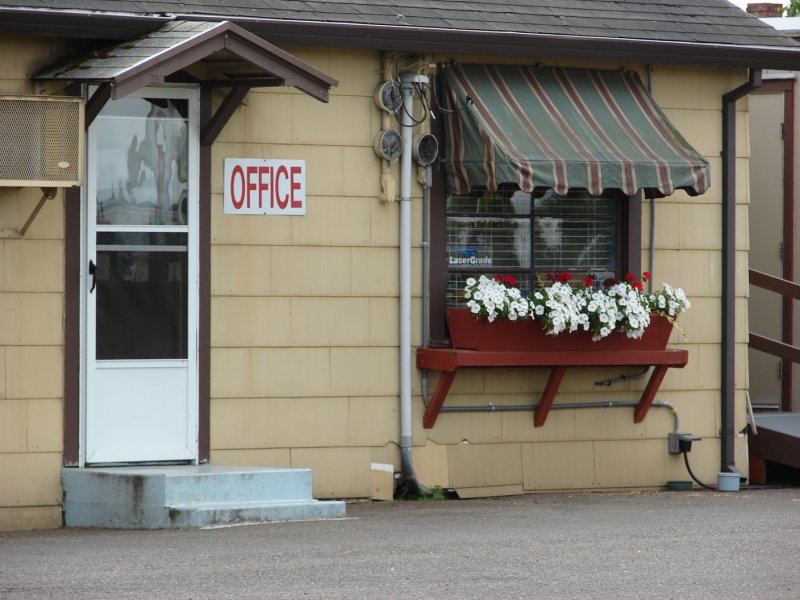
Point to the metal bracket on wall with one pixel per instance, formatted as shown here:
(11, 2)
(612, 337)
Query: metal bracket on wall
(47, 194)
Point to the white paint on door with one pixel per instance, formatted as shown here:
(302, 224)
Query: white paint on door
(140, 390)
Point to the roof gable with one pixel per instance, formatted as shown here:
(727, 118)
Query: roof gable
(234, 55)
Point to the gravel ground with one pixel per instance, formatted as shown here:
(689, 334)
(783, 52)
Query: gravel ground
(567, 545)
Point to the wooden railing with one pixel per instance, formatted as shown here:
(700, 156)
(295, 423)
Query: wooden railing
(786, 352)
(786, 289)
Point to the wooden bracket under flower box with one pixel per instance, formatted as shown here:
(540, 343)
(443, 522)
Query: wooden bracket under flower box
(448, 361)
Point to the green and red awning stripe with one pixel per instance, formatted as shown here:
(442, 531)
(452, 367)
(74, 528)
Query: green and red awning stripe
(562, 129)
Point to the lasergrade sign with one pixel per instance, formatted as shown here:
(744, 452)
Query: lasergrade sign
(255, 186)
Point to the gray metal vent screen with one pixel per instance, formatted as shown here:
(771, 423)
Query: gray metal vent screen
(41, 141)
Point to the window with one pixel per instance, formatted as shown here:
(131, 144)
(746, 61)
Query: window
(525, 234)
(532, 234)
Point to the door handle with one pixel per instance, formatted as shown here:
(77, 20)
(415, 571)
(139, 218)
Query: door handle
(93, 273)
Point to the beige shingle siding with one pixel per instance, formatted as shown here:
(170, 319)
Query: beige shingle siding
(31, 330)
(304, 352)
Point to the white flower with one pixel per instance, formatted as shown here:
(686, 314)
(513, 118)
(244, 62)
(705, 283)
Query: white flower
(562, 308)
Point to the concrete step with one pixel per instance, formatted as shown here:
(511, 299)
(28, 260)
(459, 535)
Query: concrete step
(157, 497)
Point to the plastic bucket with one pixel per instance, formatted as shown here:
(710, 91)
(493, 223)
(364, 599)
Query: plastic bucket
(728, 482)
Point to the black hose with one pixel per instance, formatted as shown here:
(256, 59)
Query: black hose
(696, 480)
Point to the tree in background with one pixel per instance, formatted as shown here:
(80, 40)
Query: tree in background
(793, 10)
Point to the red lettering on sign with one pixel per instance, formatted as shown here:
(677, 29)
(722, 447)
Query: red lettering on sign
(263, 186)
(257, 186)
(237, 204)
(274, 190)
(251, 185)
(294, 186)
(282, 201)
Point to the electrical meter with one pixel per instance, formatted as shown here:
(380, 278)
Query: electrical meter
(388, 96)
(388, 144)
(426, 149)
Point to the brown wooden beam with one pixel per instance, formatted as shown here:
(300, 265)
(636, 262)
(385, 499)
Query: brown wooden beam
(449, 360)
(774, 284)
(649, 393)
(245, 82)
(774, 347)
(72, 332)
(548, 396)
(96, 103)
(437, 400)
(214, 127)
(776, 446)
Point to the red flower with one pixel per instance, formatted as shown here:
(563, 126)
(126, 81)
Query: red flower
(563, 277)
(646, 276)
(505, 280)
(588, 281)
(630, 277)
(610, 282)
(551, 277)
(637, 286)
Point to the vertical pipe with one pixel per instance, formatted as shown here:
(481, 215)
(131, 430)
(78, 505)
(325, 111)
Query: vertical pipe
(405, 264)
(727, 371)
(409, 477)
(787, 374)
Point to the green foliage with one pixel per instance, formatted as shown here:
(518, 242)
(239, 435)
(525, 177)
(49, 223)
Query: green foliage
(437, 493)
(793, 10)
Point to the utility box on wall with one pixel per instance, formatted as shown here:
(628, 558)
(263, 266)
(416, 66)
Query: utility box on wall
(41, 141)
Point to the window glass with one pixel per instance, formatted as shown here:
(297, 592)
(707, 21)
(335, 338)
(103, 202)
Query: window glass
(529, 236)
(142, 162)
(142, 302)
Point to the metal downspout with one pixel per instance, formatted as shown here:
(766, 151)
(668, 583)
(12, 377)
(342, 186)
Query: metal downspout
(409, 477)
(728, 367)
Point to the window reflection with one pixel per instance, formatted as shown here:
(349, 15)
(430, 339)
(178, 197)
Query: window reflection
(142, 162)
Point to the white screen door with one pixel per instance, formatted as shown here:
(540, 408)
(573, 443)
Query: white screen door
(141, 280)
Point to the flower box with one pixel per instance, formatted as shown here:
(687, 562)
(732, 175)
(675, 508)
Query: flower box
(467, 332)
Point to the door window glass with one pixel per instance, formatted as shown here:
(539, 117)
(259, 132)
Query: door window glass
(142, 162)
(141, 295)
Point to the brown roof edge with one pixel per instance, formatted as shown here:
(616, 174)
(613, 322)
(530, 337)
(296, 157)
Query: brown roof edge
(277, 54)
(391, 37)
(523, 45)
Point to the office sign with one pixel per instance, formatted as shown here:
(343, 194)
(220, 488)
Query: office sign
(255, 186)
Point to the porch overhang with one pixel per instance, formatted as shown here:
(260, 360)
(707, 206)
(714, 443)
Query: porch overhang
(217, 54)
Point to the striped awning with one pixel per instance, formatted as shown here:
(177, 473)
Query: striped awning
(562, 129)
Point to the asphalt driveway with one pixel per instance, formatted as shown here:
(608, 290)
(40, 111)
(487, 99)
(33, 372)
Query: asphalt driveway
(579, 545)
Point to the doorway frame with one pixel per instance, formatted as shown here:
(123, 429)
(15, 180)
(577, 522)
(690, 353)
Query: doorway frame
(786, 86)
(74, 286)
